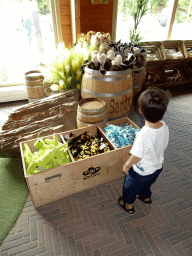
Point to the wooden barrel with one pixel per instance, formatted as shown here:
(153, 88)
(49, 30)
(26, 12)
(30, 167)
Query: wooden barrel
(138, 80)
(34, 85)
(91, 111)
(115, 88)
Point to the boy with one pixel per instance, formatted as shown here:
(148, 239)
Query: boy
(147, 153)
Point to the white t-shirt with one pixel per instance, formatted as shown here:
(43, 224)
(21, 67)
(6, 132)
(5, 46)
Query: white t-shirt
(150, 144)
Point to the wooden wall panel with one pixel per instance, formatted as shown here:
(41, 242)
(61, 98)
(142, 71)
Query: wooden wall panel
(66, 20)
(96, 17)
(65, 9)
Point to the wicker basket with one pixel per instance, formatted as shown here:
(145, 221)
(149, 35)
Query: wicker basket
(154, 48)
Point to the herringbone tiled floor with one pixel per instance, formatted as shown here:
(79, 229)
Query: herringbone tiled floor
(91, 223)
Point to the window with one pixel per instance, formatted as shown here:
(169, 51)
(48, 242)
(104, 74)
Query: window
(155, 25)
(27, 37)
(183, 21)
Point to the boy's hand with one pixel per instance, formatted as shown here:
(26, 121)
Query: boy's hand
(131, 161)
(125, 169)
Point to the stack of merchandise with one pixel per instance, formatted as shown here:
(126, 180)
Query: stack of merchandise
(173, 54)
(84, 145)
(109, 62)
(49, 154)
(125, 49)
(96, 40)
(121, 136)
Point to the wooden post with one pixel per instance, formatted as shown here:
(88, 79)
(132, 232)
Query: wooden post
(172, 19)
(114, 20)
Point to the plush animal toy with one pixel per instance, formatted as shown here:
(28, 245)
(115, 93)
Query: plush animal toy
(27, 154)
(47, 160)
(43, 144)
(110, 55)
(54, 141)
(94, 64)
(101, 57)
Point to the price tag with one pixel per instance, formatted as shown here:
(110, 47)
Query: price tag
(102, 146)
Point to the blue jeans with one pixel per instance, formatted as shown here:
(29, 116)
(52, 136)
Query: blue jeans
(136, 184)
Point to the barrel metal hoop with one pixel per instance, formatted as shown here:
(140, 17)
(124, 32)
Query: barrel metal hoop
(34, 86)
(92, 115)
(114, 118)
(93, 123)
(107, 79)
(34, 81)
(137, 86)
(108, 73)
(98, 94)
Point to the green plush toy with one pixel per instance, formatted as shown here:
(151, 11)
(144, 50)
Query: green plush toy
(27, 154)
(43, 144)
(54, 141)
(50, 154)
(48, 159)
(42, 147)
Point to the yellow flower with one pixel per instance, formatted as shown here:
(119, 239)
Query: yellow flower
(61, 73)
(78, 86)
(61, 83)
(69, 80)
(74, 65)
(78, 76)
(56, 87)
(67, 69)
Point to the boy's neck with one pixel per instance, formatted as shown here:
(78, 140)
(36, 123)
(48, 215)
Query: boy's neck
(153, 125)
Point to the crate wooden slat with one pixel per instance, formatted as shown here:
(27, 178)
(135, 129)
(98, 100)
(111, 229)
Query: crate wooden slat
(187, 69)
(53, 184)
(188, 48)
(154, 48)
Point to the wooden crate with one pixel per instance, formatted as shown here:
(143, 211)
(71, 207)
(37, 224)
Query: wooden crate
(56, 183)
(157, 75)
(155, 48)
(186, 69)
(177, 45)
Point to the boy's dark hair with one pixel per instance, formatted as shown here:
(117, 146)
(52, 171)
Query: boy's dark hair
(153, 103)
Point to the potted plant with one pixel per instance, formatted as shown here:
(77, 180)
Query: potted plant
(140, 9)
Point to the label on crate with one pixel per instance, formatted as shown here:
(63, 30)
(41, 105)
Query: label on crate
(91, 172)
(102, 146)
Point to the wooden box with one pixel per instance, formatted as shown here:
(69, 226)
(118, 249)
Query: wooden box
(56, 183)
(177, 45)
(154, 48)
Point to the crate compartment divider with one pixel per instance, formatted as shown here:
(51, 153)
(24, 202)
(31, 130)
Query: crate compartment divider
(69, 152)
(187, 48)
(106, 138)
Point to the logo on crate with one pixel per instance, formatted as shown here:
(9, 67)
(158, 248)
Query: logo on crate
(91, 172)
